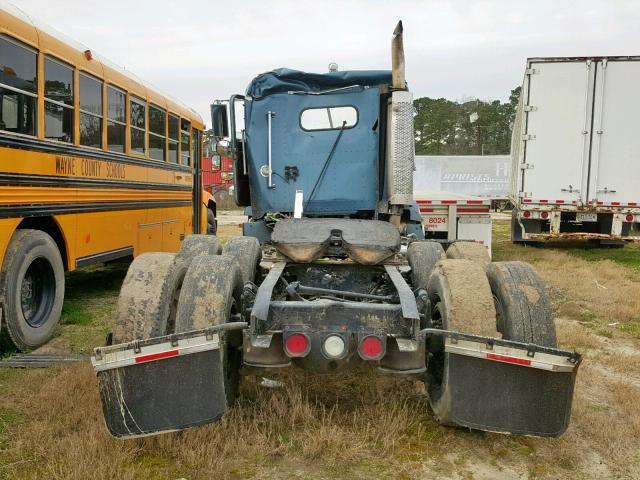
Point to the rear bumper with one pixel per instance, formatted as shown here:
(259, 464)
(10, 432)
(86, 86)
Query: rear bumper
(548, 222)
(403, 350)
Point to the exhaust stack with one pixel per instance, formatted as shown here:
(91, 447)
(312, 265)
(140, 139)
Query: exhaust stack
(400, 136)
(397, 58)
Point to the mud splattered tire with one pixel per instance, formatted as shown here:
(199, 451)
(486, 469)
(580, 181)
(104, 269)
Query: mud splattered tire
(523, 308)
(422, 257)
(211, 295)
(247, 251)
(148, 298)
(195, 245)
(461, 300)
(474, 251)
(32, 289)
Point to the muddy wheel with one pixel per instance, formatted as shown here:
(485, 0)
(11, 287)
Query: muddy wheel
(33, 288)
(148, 298)
(422, 257)
(211, 296)
(247, 251)
(461, 300)
(523, 307)
(473, 251)
(195, 245)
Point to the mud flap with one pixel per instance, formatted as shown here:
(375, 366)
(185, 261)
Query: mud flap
(162, 384)
(508, 387)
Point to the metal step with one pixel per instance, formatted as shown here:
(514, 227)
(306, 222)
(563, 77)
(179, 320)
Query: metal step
(31, 360)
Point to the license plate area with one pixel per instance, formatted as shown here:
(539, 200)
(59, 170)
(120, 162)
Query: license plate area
(586, 217)
(436, 223)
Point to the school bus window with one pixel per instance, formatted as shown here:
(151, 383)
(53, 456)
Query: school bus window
(18, 81)
(174, 136)
(116, 122)
(58, 105)
(90, 111)
(184, 142)
(138, 125)
(157, 135)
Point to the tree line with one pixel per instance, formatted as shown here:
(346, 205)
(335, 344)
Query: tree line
(468, 127)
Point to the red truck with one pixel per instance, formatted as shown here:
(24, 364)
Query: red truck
(217, 172)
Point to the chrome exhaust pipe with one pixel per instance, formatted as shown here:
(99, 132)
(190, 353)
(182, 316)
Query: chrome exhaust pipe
(397, 58)
(400, 136)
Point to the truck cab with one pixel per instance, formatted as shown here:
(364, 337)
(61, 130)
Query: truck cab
(321, 140)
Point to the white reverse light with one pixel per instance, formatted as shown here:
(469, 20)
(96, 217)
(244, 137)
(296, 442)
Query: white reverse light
(334, 346)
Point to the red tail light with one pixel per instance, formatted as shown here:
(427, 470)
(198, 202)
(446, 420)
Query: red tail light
(544, 215)
(371, 348)
(629, 218)
(297, 345)
(526, 214)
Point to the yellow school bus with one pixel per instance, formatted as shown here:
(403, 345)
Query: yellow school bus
(95, 165)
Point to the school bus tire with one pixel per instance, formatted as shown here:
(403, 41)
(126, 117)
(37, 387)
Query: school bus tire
(32, 289)
(212, 223)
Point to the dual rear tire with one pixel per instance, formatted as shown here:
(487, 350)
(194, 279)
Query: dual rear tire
(502, 299)
(197, 288)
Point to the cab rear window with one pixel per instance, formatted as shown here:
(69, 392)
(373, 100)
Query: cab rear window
(329, 118)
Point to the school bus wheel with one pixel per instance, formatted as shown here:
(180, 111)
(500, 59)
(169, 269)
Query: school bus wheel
(32, 287)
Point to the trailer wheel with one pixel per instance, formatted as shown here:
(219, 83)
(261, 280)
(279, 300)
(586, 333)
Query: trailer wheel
(473, 251)
(148, 298)
(247, 251)
(461, 300)
(422, 257)
(523, 307)
(33, 288)
(211, 295)
(195, 245)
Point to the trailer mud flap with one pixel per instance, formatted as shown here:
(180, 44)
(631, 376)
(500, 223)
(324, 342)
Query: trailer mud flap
(508, 387)
(161, 385)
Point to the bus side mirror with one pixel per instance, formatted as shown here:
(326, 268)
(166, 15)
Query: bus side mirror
(219, 122)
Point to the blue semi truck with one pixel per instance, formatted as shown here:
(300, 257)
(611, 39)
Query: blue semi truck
(332, 270)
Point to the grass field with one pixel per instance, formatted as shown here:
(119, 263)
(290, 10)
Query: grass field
(355, 425)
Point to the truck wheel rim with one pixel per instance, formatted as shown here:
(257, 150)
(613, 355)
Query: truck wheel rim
(37, 292)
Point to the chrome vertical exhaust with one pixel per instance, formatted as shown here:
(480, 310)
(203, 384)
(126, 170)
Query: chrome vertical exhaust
(400, 136)
(397, 58)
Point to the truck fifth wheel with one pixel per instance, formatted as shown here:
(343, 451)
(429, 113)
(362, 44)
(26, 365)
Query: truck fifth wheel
(320, 280)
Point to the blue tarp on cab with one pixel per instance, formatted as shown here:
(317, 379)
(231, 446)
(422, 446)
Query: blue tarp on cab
(284, 80)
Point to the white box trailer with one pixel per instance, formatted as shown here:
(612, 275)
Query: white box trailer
(576, 150)
(448, 216)
(486, 176)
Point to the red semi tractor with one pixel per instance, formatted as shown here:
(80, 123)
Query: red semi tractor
(217, 171)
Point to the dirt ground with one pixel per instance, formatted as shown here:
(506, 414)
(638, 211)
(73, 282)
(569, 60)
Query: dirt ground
(355, 425)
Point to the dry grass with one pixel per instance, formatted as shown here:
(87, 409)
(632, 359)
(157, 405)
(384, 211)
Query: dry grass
(357, 424)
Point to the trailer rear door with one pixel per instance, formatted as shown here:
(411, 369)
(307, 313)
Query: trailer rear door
(556, 130)
(615, 168)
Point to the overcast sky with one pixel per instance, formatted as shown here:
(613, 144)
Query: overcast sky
(204, 50)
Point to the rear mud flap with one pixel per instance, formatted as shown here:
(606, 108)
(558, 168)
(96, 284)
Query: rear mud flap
(508, 398)
(161, 385)
(507, 387)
